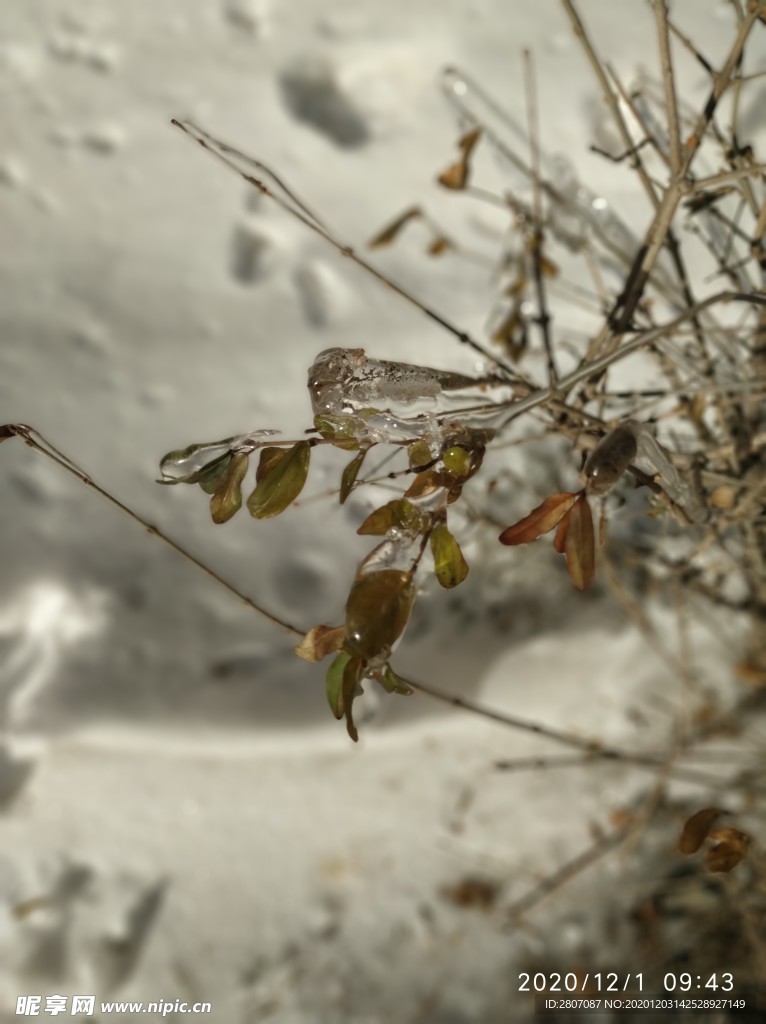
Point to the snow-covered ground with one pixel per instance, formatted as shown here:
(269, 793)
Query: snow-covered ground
(182, 817)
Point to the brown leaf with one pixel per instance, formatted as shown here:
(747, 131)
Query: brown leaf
(579, 544)
(457, 174)
(389, 233)
(472, 893)
(425, 483)
(319, 642)
(227, 497)
(695, 830)
(540, 520)
(730, 847)
(378, 607)
(439, 245)
(560, 538)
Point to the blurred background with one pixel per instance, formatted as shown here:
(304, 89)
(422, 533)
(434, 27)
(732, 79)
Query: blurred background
(181, 817)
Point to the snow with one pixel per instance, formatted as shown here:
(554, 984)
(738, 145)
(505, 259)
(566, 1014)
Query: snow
(163, 748)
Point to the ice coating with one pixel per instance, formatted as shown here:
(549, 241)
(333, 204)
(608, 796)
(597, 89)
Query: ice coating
(184, 465)
(397, 401)
(610, 459)
(633, 443)
(345, 377)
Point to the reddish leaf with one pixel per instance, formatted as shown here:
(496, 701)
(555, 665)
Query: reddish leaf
(696, 828)
(540, 520)
(579, 544)
(560, 539)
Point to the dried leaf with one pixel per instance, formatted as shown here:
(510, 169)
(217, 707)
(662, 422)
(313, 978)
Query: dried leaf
(425, 483)
(398, 514)
(319, 642)
(695, 830)
(227, 497)
(511, 333)
(449, 565)
(456, 176)
(560, 539)
(439, 245)
(540, 520)
(281, 481)
(473, 893)
(7, 430)
(377, 610)
(730, 847)
(388, 234)
(580, 545)
(350, 473)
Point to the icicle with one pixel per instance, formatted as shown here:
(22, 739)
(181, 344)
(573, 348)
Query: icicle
(379, 400)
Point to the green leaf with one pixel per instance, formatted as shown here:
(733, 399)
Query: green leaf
(195, 463)
(419, 455)
(208, 477)
(282, 478)
(227, 498)
(457, 461)
(377, 610)
(341, 430)
(450, 566)
(352, 673)
(398, 514)
(268, 458)
(334, 683)
(342, 683)
(350, 473)
(392, 683)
